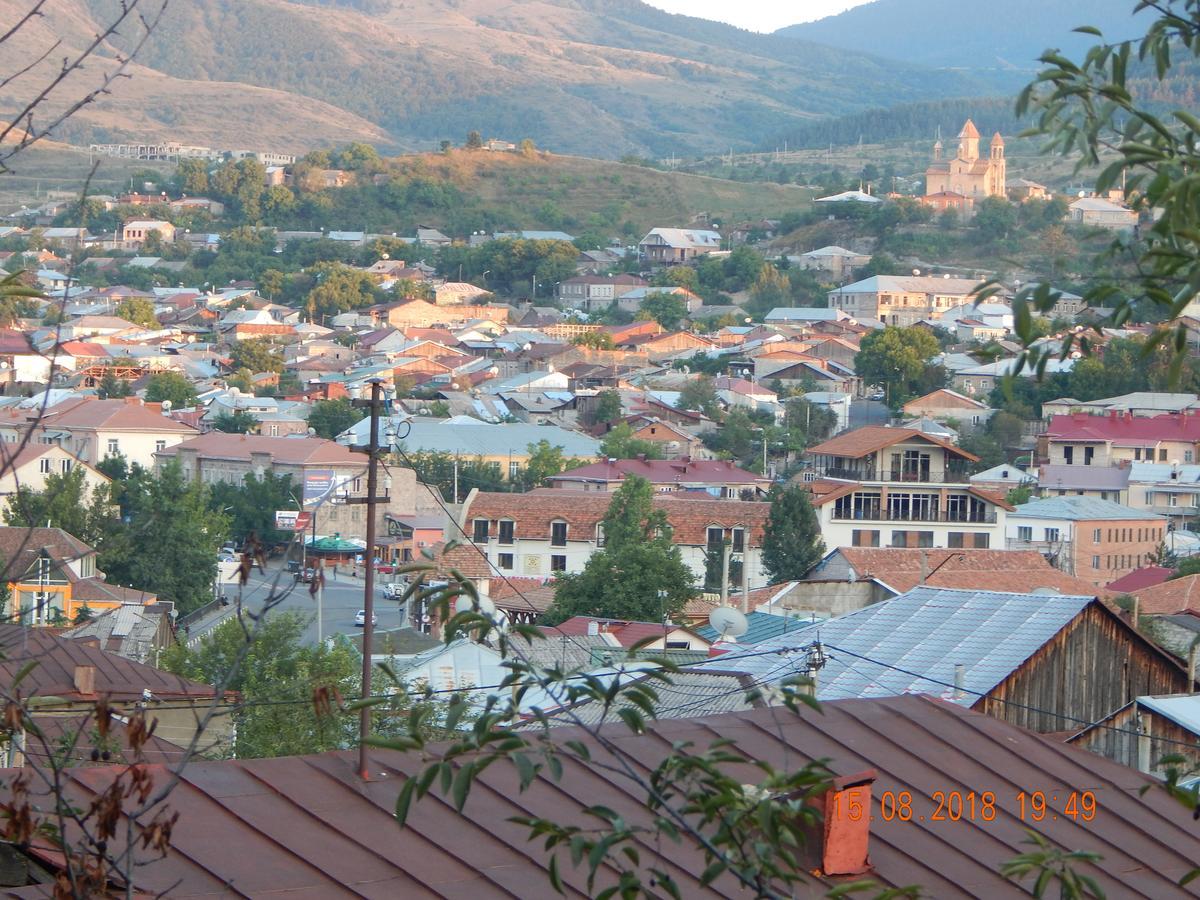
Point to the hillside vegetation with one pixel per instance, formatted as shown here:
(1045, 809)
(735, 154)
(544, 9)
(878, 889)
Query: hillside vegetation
(594, 77)
(464, 191)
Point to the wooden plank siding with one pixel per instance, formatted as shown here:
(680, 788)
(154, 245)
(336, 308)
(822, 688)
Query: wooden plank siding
(1116, 738)
(1091, 668)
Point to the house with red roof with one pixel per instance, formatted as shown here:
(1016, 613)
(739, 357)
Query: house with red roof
(716, 477)
(626, 635)
(1083, 439)
(546, 531)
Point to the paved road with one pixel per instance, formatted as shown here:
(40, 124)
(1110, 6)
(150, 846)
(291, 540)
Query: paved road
(341, 599)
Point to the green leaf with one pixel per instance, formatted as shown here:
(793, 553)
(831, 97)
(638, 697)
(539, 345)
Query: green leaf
(462, 785)
(404, 801)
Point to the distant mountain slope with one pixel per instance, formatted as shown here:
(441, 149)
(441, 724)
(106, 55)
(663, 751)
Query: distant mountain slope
(972, 34)
(594, 77)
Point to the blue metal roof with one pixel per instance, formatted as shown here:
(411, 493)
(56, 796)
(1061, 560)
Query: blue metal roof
(1078, 508)
(911, 644)
(762, 626)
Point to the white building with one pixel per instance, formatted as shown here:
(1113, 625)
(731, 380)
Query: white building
(903, 299)
(897, 487)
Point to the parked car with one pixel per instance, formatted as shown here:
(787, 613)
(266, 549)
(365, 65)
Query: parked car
(394, 590)
(361, 619)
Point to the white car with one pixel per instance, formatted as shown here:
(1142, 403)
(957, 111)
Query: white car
(361, 619)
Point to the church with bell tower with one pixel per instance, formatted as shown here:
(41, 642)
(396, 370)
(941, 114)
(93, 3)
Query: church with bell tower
(967, 174)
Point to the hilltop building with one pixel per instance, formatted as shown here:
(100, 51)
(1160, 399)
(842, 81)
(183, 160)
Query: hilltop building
(967, 175)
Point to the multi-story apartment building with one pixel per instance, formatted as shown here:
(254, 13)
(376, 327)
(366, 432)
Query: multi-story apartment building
(1097, 540)
(902, 299)
(1082, 439)
(898, 487)
(597, 292)
(547, 531)
(93, 430)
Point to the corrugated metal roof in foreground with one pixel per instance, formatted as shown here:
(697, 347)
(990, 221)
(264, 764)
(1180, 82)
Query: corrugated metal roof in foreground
(305, 826)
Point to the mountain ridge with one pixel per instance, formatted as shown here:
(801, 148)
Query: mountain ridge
(578, 76)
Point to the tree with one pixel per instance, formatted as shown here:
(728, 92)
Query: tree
(668, 310)
(595, 340)
(237, 422)
(256, 355)
(191, 176)
(896, 358)
(137, 310)
(251, 505)
(620, 443)
(545, 460)
(168, 519)
(276, 669)
(339, 289)
(1092, 111)
(792, 541)
(994, 219)
(700, 393)
(65, 502)
(637, 575)
(474, 141)
(171, 386)
(329, 418)
(608, 407)
(111, 387)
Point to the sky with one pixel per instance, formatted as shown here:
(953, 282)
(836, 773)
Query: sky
(757, 15)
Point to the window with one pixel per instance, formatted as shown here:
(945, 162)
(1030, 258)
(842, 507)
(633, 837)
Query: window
(1088, 454)
(1187, 456)
(114, 447)
(983, 540)
(558, 563)
(64, 465)
(1172, 500)
(739, 540)
(1162, 455)
(506, 561)
(1069, 455)
(160, 445)
(1051, 535)
(506, 531)
(44, 466)
(558, 534)
(1095, 562)
(357, 485)
(514, 471)
(480, 535)
(716, 537)
(1024, 532)
(866, 537)
(1095, 535)
(954, 540)
(274, 430)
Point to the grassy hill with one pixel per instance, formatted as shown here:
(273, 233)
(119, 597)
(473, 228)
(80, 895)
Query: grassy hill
(465, 191)
(593, 77)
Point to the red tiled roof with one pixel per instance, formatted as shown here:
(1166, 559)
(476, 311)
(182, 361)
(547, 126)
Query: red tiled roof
(1176, 595)
(533, 512)
(1015, 571)
(664, 471)
(873, 438)
(128, 413)
(1145, 577)
(627, 634)
(1115, 427)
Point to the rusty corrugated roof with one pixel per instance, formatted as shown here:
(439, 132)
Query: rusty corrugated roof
(306, 826)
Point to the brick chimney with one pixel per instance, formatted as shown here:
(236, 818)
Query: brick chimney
(844, 850)
(85, 679)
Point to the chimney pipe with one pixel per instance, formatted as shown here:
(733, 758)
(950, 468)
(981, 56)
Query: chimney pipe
(924, 567)
(960, 678)
(847, 825)
(85, 679)
(1137, 608)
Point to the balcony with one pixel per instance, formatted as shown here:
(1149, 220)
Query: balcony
(937, 516)
(894, 476)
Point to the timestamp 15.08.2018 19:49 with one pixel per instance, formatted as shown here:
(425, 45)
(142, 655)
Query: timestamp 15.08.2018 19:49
(971, 806)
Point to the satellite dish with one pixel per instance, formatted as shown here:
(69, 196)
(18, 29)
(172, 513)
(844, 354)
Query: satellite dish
(463, 604)
(728, 622)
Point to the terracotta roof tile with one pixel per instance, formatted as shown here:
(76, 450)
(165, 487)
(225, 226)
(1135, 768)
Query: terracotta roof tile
(533, 512)
(873, 438)
(297, 450)
(1011, 571)
(1173, 596)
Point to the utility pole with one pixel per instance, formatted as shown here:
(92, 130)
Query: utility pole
(375, 404)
